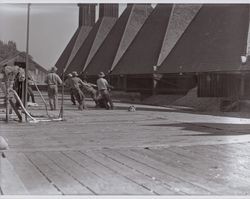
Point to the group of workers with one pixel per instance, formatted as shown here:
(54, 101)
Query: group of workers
(78, 89)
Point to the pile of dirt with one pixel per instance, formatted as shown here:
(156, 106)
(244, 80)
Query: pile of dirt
(244, 106)
(162, 100)
(198, 103)
(126, 97)
(188, 101)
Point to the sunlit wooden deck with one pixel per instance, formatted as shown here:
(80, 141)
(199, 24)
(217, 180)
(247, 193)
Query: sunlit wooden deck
(153, 151)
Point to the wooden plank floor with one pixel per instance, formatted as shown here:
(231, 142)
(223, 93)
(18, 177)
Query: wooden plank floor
(153, 151)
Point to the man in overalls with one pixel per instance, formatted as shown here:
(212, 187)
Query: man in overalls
(53, 80)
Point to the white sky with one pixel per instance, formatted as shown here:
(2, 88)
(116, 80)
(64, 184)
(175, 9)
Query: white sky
(51, 28)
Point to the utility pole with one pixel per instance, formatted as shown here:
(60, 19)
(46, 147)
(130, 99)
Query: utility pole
(27, 60)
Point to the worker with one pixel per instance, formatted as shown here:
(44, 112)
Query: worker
(76, 83)
(68, 84)
(103, 89)
(53, 80)
(88, 89)
(18, 84)
(30, 92)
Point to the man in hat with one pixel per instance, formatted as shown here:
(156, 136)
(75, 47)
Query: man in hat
(76, 83)
(53, 80)
(69, 85)
(74, 74)
(30, 92)
(103, 89)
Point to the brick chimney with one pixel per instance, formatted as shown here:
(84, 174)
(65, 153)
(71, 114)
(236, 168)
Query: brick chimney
(108, 10)
(86, 14)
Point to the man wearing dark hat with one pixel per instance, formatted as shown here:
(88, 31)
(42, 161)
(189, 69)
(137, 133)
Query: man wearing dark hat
(74, 74)
(69, 85)
(53, 80)
(75, 83)
(103, 89)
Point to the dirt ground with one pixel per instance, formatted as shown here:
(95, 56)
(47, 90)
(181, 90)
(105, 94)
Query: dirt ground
(152, 151)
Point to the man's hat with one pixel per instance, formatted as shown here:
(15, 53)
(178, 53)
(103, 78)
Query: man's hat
(101, 74)
(53, 69)
(74, 73)
(69, 75)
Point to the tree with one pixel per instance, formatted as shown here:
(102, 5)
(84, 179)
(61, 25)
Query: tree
(7, 50)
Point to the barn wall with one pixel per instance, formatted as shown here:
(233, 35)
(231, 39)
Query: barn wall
(228, 85)
(38, 74)
(155, 84)
(119, 82)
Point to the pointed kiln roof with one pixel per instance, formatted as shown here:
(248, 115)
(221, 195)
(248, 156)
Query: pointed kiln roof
(138, 16)
(143, 52)
(104, 29)
(104, 57)
(80, 58)
(63, 59)
(83, 33)
(214, 41)
(181, 16)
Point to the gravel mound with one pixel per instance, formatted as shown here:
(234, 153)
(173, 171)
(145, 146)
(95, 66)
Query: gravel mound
(245, 106)
(200, 104)
(189, 101)
(162, 100)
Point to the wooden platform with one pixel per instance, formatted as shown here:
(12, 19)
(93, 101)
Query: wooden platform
(153, 151)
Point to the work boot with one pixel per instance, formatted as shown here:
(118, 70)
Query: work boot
(80, 107)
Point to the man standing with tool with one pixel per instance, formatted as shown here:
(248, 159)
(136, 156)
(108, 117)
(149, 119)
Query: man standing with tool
(53, 80)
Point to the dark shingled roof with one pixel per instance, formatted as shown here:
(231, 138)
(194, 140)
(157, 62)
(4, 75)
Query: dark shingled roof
(80, 58)
(104, 29)
(181, 16)
(104, 57)
(137, 18)
(83, 33)
(91, 44)
(63, 59)
(214, 41)
(143, 52)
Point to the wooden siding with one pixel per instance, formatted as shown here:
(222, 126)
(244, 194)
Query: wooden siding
(230, 85)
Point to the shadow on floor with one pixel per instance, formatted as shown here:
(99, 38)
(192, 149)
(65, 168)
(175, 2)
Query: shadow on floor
(209, 129)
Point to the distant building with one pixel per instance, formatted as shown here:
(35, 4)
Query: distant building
(38, 72)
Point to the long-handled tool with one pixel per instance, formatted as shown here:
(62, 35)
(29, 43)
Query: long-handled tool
(39, 92)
